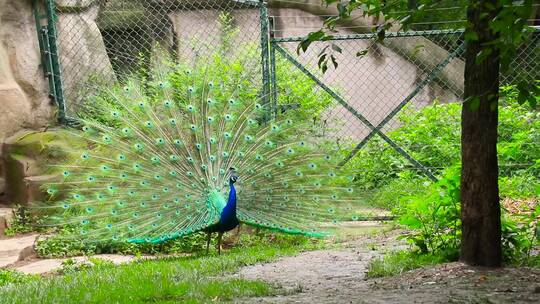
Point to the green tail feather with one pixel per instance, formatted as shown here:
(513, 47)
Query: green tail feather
(157, 159)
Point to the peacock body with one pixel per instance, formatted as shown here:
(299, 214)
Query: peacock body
(190, 151)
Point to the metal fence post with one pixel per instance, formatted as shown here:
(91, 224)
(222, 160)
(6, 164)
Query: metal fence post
(265, 53)
(55, 60)
(273, 76)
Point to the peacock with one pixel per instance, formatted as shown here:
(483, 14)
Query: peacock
(194, 148)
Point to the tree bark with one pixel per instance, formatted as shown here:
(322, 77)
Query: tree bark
(480, 207)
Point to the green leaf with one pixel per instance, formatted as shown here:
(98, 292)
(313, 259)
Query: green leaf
(361, 53)
(336, 48)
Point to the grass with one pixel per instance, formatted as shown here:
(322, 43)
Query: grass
(397, 262)
(194, 279)
(9, 276)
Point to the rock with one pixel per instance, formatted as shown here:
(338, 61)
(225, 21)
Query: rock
(2, 186)
(24, 101)
(73, 4)
(5, 216)
(16, 249)
(82, 53)
(24, 158)
(33, 190)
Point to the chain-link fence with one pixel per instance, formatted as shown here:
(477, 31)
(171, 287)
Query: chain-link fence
(393, 106)
(105, 41)
(395, 99)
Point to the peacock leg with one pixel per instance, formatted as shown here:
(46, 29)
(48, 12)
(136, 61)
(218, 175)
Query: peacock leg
(208, 236)
(238, 232)
(220, 235)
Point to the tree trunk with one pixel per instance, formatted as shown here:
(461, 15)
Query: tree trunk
(480, 210)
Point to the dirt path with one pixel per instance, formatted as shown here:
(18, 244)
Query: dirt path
(338, 276)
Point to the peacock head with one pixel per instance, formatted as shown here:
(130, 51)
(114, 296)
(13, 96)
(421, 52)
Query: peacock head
(233, 176)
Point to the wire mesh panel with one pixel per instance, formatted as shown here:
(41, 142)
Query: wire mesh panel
(107, 41)
(392, 104)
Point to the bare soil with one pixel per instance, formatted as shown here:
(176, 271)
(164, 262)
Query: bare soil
(338, 276)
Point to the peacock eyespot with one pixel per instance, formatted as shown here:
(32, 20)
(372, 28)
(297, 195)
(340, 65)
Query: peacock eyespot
(167, 103)
(142, 104)
(65, 173)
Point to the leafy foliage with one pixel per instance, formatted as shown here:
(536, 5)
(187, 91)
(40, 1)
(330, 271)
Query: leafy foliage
(434, 217)
(432, 136)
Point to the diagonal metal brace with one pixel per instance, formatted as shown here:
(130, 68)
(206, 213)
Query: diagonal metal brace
(374, 130)
(436, 71)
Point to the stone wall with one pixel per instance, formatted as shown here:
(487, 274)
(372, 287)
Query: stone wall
(24, 101)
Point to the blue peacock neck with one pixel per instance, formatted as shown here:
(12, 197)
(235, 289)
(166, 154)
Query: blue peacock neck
(229, 212)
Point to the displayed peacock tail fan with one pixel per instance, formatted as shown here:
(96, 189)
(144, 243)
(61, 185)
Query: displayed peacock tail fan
(158, 156)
